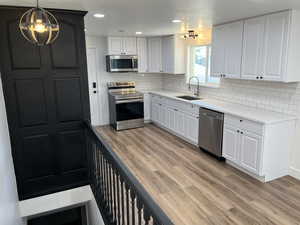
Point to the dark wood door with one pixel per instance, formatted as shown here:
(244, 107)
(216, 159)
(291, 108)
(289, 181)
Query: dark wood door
(46, 94)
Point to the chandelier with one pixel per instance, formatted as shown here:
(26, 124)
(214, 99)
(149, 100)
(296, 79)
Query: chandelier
(190, 34)
(39, 26)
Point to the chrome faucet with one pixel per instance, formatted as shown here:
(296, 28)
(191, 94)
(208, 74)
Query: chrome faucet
(198, 85)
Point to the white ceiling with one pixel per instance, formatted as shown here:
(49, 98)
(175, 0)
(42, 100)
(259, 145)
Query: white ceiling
(153, 17)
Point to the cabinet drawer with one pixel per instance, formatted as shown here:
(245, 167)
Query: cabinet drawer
(183, 106)
(244, 124)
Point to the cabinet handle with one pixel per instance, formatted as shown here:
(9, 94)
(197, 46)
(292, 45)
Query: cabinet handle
(261, 77)
(242, 132)
(238, 131)
(257, 77)
(175, 109)
(241, 120)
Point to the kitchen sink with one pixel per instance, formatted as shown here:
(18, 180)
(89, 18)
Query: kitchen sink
(188, 97)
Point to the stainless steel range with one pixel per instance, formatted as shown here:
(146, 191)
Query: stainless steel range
(126, 105)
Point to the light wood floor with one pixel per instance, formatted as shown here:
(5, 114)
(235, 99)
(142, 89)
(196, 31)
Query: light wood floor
(194, 188)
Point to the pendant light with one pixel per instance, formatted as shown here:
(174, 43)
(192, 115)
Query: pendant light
(39, 26)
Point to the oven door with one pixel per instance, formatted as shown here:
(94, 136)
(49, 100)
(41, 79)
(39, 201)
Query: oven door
(122, 63)
(129, 109)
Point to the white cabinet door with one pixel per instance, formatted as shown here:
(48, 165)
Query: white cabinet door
(275, 46)
(172, 119)
(230, 143)
(250, 151)
(154, 55)
(147, 107)
(129, 46)
(115, 45)
(191, 128)
(155, 112)
(233, 49)
(253, 48)
(168, 54)
(218, 51)
(179, 122)
(142, 55)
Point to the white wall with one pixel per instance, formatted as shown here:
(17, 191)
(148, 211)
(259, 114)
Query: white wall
(9, 211)
(274, 96)
(143, 81)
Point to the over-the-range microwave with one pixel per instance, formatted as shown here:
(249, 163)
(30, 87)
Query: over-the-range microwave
(121, 63)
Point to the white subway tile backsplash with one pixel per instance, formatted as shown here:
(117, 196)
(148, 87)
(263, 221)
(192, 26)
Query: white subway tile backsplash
(274, 96)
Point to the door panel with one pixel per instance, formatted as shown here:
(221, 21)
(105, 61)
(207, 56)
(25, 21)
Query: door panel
(129, 46)
(218, 51)
(64, 53)
(253, 47)
(155, 55)
(46, 95)
(38, 157)
(251, 145)
(72, 150)
(30, 94)
(115, 46)
(30, 57)
(68, 99)
(233, 52)
(230, 143)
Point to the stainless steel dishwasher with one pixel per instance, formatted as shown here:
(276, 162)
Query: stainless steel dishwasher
(211, 131)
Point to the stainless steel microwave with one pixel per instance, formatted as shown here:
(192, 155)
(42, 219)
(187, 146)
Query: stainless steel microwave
(121, 63)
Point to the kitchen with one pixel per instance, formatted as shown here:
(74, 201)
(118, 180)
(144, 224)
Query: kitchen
(249, 118)
(251, 124)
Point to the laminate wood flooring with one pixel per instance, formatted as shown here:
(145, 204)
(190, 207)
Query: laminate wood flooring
(193, 188)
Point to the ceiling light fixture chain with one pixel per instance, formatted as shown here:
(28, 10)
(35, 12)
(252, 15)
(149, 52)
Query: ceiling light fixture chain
(39, 26)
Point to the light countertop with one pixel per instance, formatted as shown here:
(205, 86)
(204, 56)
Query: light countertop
(246, 112)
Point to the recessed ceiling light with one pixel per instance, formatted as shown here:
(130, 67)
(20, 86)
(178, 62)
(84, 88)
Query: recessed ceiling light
(98, 15)
(138, 32)
(176, 21)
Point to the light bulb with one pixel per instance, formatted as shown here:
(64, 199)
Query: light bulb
(39, 26)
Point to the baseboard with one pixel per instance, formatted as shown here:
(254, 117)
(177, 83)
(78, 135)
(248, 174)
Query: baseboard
(295, 172)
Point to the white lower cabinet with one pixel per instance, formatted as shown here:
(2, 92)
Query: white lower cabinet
(257, 148)
(242, 147)
(170, 115)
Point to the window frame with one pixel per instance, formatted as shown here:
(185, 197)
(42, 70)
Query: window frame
(208, 64)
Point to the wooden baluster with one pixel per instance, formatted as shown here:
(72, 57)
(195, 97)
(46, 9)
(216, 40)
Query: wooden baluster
(132, 194)
(146, 216)
(110, 190)
(127, 204)
(106, 183)
(118, 198)
(139, 207)
(122, 201)
(115, 195)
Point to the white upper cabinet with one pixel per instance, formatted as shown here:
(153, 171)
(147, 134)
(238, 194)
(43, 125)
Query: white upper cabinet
(115, 45)
(142, 55)
(155, 55)
(122, 46)
(168, 54)
(173, 55)
(129, 46)
(253, 48)
(233, 49)
(227, 50)
(261, 48)
(218, 51)
(275, 46)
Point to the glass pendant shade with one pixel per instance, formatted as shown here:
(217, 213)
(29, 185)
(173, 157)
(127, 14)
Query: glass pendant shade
(39, 26)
